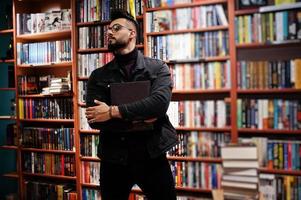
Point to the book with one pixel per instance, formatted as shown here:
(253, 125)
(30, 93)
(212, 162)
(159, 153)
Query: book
(128, 92)
(241, 163)
(239, 152)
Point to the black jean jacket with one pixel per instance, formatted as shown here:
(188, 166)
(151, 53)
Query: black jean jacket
(116, 144)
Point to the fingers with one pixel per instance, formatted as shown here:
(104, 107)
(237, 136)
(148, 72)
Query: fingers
(98, 102)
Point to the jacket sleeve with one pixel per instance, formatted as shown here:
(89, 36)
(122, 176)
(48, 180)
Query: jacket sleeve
(96, 90)
(154, 106)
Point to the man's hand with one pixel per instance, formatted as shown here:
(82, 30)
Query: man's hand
(98, 113)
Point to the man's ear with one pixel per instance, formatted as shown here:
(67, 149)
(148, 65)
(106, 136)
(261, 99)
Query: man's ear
(133, 34)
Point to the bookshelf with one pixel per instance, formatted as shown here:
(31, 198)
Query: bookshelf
(268, 59)
(226, 58)
(8, 137)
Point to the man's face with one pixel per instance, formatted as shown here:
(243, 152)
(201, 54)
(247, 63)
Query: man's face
(119, 34)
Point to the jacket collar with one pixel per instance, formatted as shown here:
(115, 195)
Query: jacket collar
(139, 64)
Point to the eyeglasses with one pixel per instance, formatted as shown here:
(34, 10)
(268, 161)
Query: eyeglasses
(116, 27)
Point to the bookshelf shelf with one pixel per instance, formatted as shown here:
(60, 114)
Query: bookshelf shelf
(185, 5)
(47, 65)
(203, 129)
(268, 131)
(193, 159)
(55, 35)
(93, 50)
(287, 43)
(11, 175)
(6, 31)
(268, 91)
(214, 28)
(7, 117)
(207, 59)
(96, 23)
(47, 151)
(196, 190)
(50, 176)
(48, 120)
(201, 91)
(246, 11)
(279, 171)
(46, 95)
(9, 147)
(86, 158)
(90, 185)
(89, 131)
(7, 89)
(7, 61)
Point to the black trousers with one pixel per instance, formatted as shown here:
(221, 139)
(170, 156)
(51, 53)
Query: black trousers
(153, 176)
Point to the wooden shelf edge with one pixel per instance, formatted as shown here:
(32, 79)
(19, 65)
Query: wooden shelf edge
(7, 61)
(197, 190)
(268, 131)
(268, 91)
(246, 11)
(8, 118)
(69, 94)
(5, 31)
(9, 147)
(50, 176)
(48, 120)
(87, 158)
(11, 175)
(268, 45)
(88, 131)
(280, 171)
(48, 150)
(195, 159)
(200, 91)
(91, 185)
(46, 65)
(213, 28)
(186, 5)
(44, 35)
(226, 129)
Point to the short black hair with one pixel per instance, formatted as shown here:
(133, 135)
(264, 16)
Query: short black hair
(116, 14)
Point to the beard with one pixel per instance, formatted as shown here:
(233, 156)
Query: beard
(112, 47)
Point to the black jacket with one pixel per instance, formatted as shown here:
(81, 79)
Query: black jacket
(116, 144)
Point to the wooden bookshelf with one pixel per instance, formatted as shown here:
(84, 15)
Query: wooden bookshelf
(269, 131)
(7, 89)
(194, 159)
(47, 151)
(9, 147)
(47, 65)
(86, 158)
(215, 28)
(7, 61)
(58, 177)
(68, 94)
(13, 175)
(89, 131)
(7, 117)
(49, 36)
(269, 91)
(280, 171)
(48, 120)
(6, 31)
(203, 129)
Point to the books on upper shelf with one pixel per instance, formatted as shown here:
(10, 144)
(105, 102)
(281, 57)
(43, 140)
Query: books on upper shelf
(56, 20)
(269, 74)
(186, 18)
(240, 177)
(270, 27)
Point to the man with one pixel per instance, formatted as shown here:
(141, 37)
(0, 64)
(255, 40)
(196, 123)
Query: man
(131, 156)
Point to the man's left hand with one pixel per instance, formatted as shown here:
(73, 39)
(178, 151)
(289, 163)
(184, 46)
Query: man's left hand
(98, 113)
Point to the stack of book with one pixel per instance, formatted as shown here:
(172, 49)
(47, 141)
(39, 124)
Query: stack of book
(240, 177)
(58, 85)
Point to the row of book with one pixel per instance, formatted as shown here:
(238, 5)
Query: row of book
(88, 194)
(82, 91)
(196, 174)
(186, 18)
(269, 113)
(51, 164)
(209, 113)
(89, 145)
(273, 27)
(93, 37)
(199, 144)
(29, 84)
(280, 187)
(48, 138)
(44, 52)
(269, 74)
(47, 108)
(12, 134)
(186, 197)
(211, 75)
(99, 10)
(164, 3)
(88, 62)
(277, 154)
(90, 172)
(55, 20)
(83, 122)
(197, 46)
(44, 190)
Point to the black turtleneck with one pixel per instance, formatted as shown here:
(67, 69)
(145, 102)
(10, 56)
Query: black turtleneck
(127, 62)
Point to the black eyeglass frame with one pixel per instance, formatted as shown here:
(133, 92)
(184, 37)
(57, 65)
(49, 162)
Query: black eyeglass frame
(117, 27)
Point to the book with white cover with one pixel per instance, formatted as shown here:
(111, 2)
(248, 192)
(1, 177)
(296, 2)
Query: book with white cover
(239, 152)
(240, 172)
(249, 179)
(240, 164)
